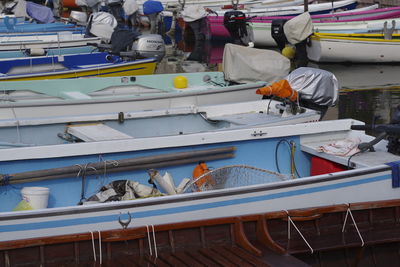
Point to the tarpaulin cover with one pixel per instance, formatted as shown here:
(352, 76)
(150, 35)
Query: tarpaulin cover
(151, 7)
(319, 86)
(244, 64)
(39, 13)
(298, 28)
(130, 7)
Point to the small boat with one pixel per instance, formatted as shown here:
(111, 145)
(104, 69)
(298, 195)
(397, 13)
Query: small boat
(214, 27)
(328, 235)
(48, 52)
(101, 64)
(46, 41)
(14, 27)
(127, 93)
(313, 9)
(253, 172)
(359, 48)
(262, 31)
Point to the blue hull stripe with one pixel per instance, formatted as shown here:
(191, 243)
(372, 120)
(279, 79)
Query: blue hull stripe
(196, 207)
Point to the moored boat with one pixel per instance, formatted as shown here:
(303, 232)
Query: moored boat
(100, 64)
(214, 27)
(262, 31)
(363, 48)
(363, 232)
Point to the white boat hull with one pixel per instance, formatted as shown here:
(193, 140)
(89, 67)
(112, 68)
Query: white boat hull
(347, 50)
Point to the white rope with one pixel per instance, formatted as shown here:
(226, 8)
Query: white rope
(291, 221)
(355, 225)
(94, 249)
(154, 241)
(17, 124)
(148, 238)
(101, 257)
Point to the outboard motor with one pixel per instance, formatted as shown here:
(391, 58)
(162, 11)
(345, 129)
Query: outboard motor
(149, 45)
(277, 32)
(390, 131)
(131, 44)
(295, 32)
(236, 23)
(312, 88)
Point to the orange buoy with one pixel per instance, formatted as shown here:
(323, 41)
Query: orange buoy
(199, 170)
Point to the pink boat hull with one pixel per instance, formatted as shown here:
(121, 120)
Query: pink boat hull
(215, 24)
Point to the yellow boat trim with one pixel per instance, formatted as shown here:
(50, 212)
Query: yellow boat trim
(371, 37)
(112, 71)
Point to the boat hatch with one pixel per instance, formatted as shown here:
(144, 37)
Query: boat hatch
(95, 132)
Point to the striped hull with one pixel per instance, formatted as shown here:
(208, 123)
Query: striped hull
(362, 50)
(302, 193)
(123, 69)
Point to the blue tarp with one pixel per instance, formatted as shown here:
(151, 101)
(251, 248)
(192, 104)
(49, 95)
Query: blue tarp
(39, 13)
(151, 7)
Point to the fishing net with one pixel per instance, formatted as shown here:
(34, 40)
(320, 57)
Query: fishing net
(233, 176)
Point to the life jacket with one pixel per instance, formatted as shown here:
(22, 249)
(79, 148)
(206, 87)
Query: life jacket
(199, 170)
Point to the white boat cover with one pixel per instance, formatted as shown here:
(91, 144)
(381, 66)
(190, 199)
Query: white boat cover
(245, 64)
(193, 12)
(298, 28)
(102, 24)
(130, 7)
(319, 86)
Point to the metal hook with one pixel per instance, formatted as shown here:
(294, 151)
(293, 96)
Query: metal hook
(124, 224)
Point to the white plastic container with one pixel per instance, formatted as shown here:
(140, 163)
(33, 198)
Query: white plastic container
(37, 197)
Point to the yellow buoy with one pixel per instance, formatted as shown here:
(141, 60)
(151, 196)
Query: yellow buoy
(180, 82)
(288, 52)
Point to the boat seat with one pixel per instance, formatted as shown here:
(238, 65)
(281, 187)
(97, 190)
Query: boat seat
(95, 132)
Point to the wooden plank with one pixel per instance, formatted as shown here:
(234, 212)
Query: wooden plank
(170, 260)
(248, 257)
(207, 252)
(224, 252)
(202, 259)
(187, 259)
(95, 132)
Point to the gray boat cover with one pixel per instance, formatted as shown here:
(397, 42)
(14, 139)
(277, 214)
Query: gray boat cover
(298, 28)
(245, 64)
(319, 86)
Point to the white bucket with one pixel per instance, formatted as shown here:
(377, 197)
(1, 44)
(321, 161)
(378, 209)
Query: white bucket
(37, 197)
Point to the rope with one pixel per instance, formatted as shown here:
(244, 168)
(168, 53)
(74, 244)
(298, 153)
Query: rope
(148, 238)
(94, 249)
(101, 257)
(297, 229)
(154, 240)
(17, 123)
(354, 222)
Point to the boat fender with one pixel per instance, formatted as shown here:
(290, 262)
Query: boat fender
(200, 169)
(36, 52)
(288, 51)
(180, 82)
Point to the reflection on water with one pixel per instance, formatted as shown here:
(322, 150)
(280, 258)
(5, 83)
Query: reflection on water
(367, 91)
